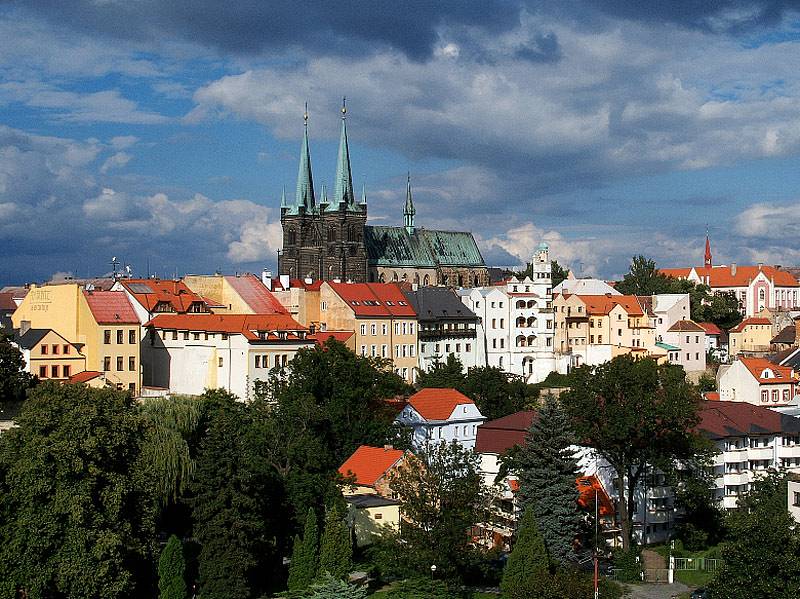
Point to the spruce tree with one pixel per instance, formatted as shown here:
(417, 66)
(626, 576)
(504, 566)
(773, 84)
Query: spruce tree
(336, 550)
(547, 471)
(333, 588)
(303, 568)
(527, 571)
(171, 568)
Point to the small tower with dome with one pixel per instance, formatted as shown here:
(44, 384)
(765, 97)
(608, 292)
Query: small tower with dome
(541, 263)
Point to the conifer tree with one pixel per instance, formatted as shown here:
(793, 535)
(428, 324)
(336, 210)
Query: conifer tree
(527, 571)
(547, 470)
(336, 550)
(303, 568)
(171, 568)
(333, 588)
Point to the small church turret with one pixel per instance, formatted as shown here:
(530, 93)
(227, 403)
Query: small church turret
(542, 266)
(304, 195)
(408, 210)
(343, 184)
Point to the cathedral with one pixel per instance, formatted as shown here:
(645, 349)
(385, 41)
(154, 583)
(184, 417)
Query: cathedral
(329, 239)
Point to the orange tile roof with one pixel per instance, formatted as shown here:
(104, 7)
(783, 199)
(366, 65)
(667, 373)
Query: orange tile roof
(437, 404)
(711, 395)
(782, 374)
(374, 299)
(85, 376)
(721, 276)
(322, 336)
(591, 491)
(370, 464)
(255, 294)
(748, 321)
(603, 304)
(175, 293)
(710, 328)
(233, 324)
(688, 326)
(110, 307)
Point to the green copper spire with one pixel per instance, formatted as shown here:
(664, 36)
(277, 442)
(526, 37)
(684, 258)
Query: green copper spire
(283, 198)
(408, 211)
(364, 194)
(304, 196)
(343, 185)
(323, 204)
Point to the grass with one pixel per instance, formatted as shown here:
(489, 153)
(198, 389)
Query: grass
(694, 578)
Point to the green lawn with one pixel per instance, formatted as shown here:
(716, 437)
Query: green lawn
(694, 578)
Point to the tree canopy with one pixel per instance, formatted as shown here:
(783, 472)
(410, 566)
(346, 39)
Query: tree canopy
(527, 572)
(14, 381)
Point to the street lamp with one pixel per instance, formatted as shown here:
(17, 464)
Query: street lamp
(433, 571)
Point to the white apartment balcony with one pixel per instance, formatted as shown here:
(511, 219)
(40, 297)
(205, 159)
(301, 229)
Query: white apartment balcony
(789, 451)
(730, 502)
(659, 516)
(760, 453)
(735, 455)
(737, 478)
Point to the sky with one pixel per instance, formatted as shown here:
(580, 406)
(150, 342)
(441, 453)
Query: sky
(162, 133)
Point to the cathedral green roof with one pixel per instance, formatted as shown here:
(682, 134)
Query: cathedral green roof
(424, 248)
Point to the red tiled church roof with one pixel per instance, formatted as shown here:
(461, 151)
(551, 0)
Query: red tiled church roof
(722, 276)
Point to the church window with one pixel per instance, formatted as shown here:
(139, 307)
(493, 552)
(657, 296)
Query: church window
(416, 279)
(292, 237)
(331, 235)
(460, 281)
(394, 276)
(426, 281)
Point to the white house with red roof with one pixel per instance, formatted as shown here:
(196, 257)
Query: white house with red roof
(716, 340)
(193, 352)
(690, 337)
(436, 415)
(758, 381)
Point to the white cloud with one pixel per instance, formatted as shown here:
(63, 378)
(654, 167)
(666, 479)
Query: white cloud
(123, 142)
(117, 160)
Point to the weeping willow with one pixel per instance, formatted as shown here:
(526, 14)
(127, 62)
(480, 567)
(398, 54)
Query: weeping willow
(166, 457)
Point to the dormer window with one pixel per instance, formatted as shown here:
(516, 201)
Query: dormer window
(163, 307)
(767, 374)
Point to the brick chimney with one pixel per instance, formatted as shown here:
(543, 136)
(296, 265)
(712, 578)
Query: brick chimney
(733, 269)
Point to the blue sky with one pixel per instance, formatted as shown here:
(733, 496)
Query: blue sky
(163, 133)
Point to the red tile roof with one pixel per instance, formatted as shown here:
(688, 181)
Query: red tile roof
(343, 336)
(437, 404)
(781, 374)
(296, 284)
(498, 436)
(7, 302)
(711, 395)
(591, 491)
(720, 419)
(721, 276)
(374, 299)
(233, 324)
(710, 328)
(370, 464)
(686, 326)
(750, 321)
(175, 293)
(255, 294)
(603, 304)
(85, 376)
(110, 307)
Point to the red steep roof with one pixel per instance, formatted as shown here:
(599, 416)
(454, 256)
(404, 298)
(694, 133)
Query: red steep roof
(603, 304)
(85, 376)
(748, 321)
(110, 307)
(498, 436)
(781, 374)
(7, 302)
(437, 404)
(150, 292)
(369, 464)
(255, 294)
(374, 299)
(686, 326)
(343, 336)
(721, 276)
(233, 324)
(720, 419)
(710, 328)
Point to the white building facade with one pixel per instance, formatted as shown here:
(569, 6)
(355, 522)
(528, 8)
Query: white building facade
(441, 415)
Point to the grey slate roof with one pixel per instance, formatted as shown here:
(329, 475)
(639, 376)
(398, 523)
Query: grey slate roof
(438, 303)
(366, 501)
(424, 248)
(30, 338)
(787, 335)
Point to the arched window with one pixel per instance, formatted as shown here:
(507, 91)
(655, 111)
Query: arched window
(531, 321)
(405, 277)
(521, 321)
(426, 281)
(292, 237)
(520, 304)
(761, 295)
(446, 280)
(331, 234)
(531, 304)
(521, 341)
(382, 278)
(394, 276)
(460, 281)
(475, 284)
(351, 233)
(416, 278)
(531, 340)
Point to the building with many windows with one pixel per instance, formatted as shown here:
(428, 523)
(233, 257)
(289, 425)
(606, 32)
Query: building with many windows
(47, 354)
(751, 336)
(758, 381)
(436, 415)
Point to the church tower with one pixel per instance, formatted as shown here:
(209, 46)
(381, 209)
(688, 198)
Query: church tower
(408, 209)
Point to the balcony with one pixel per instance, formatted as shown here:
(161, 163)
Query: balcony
(737, 478)
(729, 502)
(426, 334)
(760, 453)
(789, 451)
(659, 515)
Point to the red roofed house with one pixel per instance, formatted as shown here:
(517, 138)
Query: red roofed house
(235, 294)
(370, 498)
(752, 335)
(436, 415)
(756, 287)
(751, 439)
(193, 352)
(160, 296)
(381, 316)
(758, 381)
(716, 340)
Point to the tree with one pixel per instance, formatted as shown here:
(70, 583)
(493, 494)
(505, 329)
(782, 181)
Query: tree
(643, 278)
(171, 568)
(331, 587)
(14, 381)
(420, 588)
(336, 549)
(527, 572)
(557, 273)
(498, 393)
(303, 569)
(723, 310)
(768, 567)
(443, 375)
(547, 471)
(635, 414)
(76, 517)
(442, 495)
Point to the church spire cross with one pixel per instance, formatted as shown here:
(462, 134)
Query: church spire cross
(343, 185)
(408, 210)
(304, 196)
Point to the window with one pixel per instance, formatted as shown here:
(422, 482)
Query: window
(384, 329)
(196, 336)
(494, 343)
(458, 348)
(55, 349)
(67, 370)
(373, 329)
(132, 364)
(411, 350)
(447, 348)
(45, 350)
(373, 351)
(775, 395)
(42, 372)
(120, 364)
(619, 332)
(363, 329)
(186, 335)
(687, 356)
(107, 337)
(384, 351)
(468, 347)
(323, 306)
(403, 349)
(796, 499)
(174, 335)
(219, 362)
(687, 338)
(405, 328)
(120, 337)
(502, 343)
(422, 348)
(363, 350)
(599, 338)
(66, 350)
(258, 362)
(502, 321)
(205, 336)
(764, 395)
(106, 364)
(410, 328)
(697, 356)
(54, 370)
(379, 516)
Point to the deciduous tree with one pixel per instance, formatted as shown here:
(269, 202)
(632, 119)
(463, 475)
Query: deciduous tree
(443, 375)
(14, 381)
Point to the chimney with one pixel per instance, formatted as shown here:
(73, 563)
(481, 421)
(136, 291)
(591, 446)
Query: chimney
(337, 280)
(733, 269)
(760, 265)
(308, 280)
(284, 281)
(388, 447)
(24, 327)
(266, 278)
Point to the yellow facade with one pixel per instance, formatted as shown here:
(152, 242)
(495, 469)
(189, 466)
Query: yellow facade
(112, 349)
(55, 358)
(752, 338)
(372, 522)
(220, 291)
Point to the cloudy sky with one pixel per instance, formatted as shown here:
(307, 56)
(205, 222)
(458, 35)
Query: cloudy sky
(163, 132)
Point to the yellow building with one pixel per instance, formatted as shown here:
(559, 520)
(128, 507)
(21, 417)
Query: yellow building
(300, 298)
(103, 323)
(235, 294)
(752, 335)
(383, 321)
(49, 355)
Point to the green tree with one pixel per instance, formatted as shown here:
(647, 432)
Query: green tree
(527, 572)
(547, 471)
(335, 548)
(557, 273)
(331, 587)
(442, 495)
(723, 310)
(643, 278)
(171, 569)
(14, 381)
(443, 375)
(76, 519)
(420, 588)
(760, 557)
(706, 383)
(498, 393)
(303, 569)
(635, 414)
